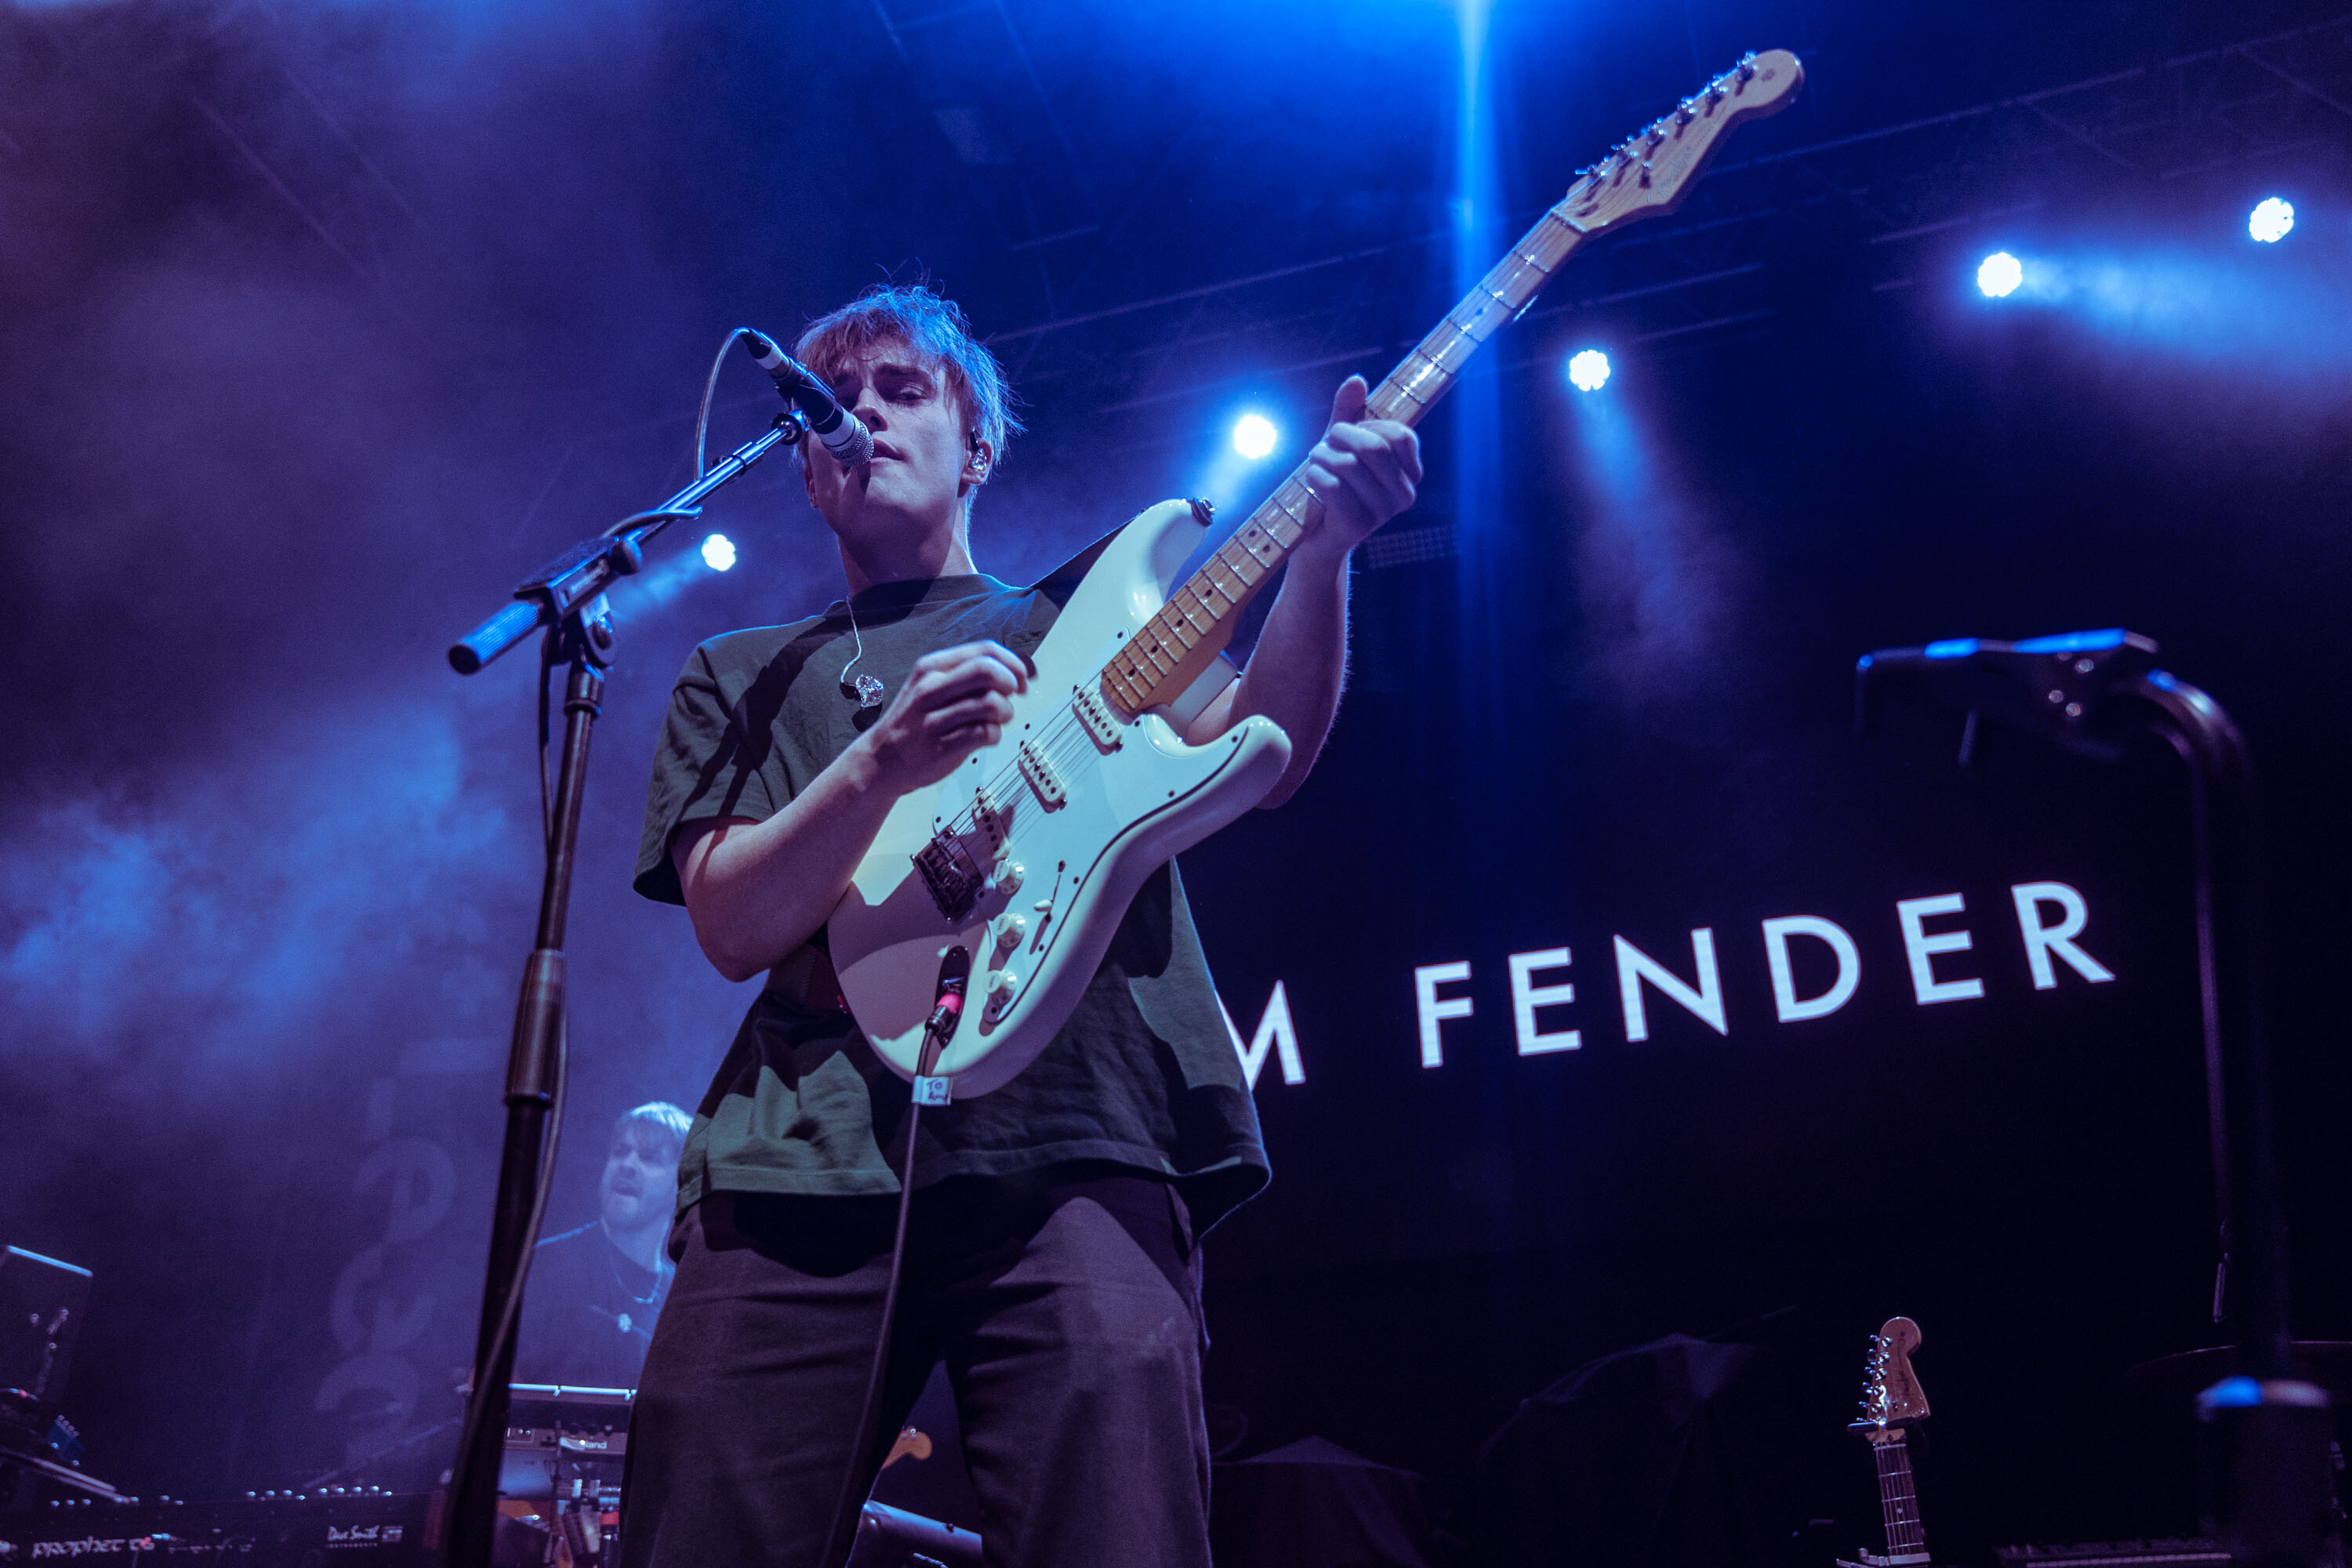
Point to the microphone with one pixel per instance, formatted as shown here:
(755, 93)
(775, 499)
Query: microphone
(840, 431)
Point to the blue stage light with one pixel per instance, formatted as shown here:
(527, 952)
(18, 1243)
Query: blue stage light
(719, 552)
(2272, 217)
(1588, 370)
(1255, 436)
(1999, 274)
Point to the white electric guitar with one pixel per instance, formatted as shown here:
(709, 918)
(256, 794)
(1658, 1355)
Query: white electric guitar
(1027, 856)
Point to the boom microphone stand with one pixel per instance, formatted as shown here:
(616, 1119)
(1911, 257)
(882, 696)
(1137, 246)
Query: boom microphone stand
(2264, 1431)
(567, 598)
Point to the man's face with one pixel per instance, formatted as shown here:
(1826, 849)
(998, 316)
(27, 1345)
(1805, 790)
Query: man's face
(640, 1183)
(922, 456)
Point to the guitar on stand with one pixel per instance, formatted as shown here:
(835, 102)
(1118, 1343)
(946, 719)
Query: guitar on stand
(1892, 1404)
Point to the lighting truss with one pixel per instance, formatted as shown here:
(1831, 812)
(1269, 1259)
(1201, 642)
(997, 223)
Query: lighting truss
(969, 67)
(1860, 210)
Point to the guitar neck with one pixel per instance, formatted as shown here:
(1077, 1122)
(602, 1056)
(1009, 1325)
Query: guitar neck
(1898, 1501)
(1173, 648)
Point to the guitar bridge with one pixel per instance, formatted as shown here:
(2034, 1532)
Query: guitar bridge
(951, 875)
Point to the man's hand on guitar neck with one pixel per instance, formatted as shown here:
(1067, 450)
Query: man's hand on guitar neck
(1364, 472)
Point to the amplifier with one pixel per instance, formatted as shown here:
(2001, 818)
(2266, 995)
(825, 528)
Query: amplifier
(357, 1530)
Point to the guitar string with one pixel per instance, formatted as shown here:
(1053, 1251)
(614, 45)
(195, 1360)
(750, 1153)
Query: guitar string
(1065, 744)
(968, 819)
(1062, 745)
(1078, 767)
(1067, 741)
(1078, 760)
(1902, 1531)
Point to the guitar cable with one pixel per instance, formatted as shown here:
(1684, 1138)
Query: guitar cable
(937, 1029)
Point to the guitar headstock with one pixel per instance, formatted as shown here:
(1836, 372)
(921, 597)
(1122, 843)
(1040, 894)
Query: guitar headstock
(1650, 172)
(1890, 1398)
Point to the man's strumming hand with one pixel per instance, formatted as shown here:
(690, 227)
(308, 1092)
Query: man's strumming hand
(954, 703)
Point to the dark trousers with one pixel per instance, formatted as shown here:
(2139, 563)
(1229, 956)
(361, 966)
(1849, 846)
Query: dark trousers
(1066, 1307)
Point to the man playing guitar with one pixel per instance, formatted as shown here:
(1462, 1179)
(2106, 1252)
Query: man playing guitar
(1052, 1258)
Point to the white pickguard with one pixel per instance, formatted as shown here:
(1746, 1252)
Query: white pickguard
(1124, 811)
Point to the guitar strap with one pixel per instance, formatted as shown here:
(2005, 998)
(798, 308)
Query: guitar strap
(1063, 581)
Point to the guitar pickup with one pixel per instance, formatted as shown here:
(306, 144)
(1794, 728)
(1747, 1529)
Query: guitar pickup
(988, 815)
(1041, 777)
(1094, 715)
(953, 879)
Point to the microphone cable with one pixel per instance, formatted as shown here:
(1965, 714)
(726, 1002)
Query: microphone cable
(702, 415)
(510, 1300)
(937, 1029)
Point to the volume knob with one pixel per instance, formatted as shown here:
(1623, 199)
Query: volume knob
(1001, 988)
(1011, 929)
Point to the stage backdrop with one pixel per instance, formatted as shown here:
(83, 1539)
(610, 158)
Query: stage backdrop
(323, 327)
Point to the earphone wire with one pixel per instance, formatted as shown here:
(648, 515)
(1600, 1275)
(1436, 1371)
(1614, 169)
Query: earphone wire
(850, 605)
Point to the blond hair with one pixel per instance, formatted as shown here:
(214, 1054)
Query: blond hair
(934, 327)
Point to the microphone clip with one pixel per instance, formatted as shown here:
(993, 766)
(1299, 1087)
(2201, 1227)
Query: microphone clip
(2064, 687)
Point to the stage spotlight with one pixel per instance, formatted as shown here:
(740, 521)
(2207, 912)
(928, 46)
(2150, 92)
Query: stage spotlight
(1588, 371)
(1999, 275)
(1253, 436)
(2272, 217)
(719, 552)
